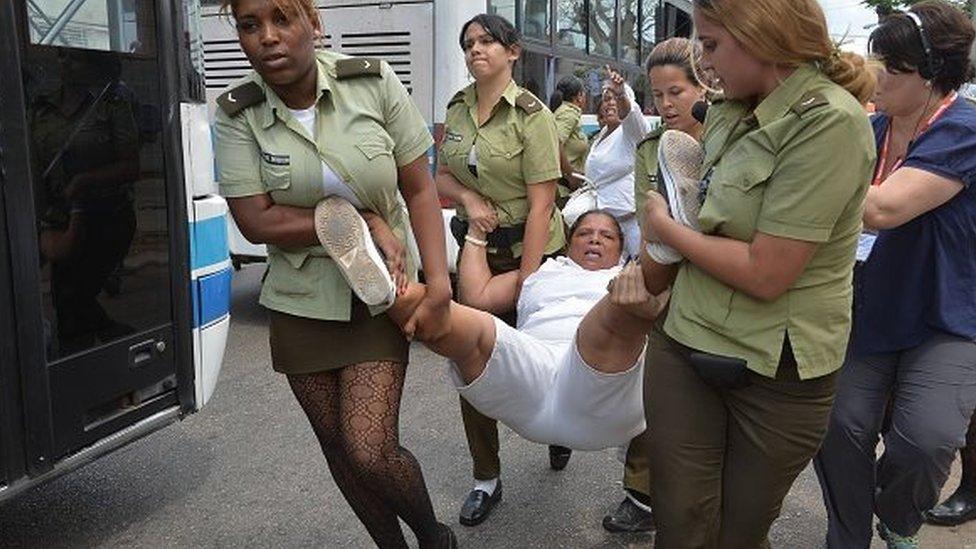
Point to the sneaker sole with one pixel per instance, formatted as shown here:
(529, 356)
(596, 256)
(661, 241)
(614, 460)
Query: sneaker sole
(680, 158)
(345, 236)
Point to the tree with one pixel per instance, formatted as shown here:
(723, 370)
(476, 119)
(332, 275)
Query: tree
(885, 7)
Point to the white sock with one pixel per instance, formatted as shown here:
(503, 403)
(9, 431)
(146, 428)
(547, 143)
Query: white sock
(639, 505)
(486, 486)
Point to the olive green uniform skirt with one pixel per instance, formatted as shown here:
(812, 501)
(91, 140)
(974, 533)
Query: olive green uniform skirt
(302, 345)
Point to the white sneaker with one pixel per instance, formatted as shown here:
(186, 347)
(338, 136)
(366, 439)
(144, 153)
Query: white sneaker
(680, 158)
(345, 236)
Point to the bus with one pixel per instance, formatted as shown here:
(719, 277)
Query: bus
(419, 38)
(114, 267)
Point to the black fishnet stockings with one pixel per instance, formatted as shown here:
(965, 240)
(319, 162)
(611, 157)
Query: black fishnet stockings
(354, 413)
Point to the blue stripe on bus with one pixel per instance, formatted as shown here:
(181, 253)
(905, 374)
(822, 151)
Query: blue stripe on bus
(211, 297)
(208, 242)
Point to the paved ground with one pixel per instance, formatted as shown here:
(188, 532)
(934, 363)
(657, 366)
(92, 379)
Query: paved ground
(246, 472)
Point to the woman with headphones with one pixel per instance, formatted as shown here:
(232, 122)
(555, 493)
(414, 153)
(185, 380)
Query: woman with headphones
(912, 356)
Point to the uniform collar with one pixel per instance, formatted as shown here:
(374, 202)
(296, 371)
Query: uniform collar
(576, 108)
(510, 94)
(326, 72)
(791, 90)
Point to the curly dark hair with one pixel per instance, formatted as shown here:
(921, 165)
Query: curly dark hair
(950, 33)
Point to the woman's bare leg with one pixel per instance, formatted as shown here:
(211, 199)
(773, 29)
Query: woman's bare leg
(469, 341)
(613, 334)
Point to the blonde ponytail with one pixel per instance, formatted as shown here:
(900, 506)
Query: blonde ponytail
(852, 72)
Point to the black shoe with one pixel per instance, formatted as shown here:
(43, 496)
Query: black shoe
(629, 518)
(559, 457)
(478, 505)
(960, 507)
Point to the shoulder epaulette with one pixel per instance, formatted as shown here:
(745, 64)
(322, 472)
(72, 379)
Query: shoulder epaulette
(808, 102)
(528, 103)
(458, 98)
(355, 67)
(236, 100)
(655, 134)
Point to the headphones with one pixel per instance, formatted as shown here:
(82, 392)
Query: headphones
(929, 69)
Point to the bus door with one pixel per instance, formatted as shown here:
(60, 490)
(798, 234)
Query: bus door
(99, 207)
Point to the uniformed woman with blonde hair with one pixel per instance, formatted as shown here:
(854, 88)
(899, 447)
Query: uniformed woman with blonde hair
(677, 93)
(740, 397)
(499, 161)
(301, 127)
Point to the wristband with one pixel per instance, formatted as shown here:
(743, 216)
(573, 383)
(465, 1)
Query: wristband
(476, 241)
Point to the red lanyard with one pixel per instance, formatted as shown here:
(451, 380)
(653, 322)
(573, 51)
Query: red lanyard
(883, 157)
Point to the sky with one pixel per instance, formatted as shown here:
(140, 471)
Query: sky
(850, 17)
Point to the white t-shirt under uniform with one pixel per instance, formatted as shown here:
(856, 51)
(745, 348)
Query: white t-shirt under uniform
(332, 184)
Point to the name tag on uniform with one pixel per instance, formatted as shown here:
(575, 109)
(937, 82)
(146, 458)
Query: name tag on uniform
(276, 159)
(451, 136)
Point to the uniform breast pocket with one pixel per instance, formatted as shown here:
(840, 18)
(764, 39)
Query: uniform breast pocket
(275, 172)
(376, 165)
(504, 157)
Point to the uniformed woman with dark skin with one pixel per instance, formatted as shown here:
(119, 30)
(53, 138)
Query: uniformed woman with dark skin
(499, 162)
(760, 312)
(302, 126)
(675, 90)
(567, 104)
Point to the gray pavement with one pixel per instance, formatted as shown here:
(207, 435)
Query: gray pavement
(246, 471)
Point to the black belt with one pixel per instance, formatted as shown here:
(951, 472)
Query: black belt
(501, 237)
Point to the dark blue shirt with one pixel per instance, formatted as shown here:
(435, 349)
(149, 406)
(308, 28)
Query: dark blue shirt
(920, 278)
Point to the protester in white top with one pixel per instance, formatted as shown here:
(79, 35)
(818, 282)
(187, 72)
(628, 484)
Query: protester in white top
(572, 373)
(610, 164)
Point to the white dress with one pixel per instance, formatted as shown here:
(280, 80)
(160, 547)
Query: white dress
(610, 166)
(537, 383)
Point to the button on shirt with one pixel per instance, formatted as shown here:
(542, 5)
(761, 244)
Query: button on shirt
(920, 278)
(610, 164)
(793, 172)
(365, 128)
(513, 149)
(556, 297)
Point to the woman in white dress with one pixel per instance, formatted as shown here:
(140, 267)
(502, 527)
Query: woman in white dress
(610, 164)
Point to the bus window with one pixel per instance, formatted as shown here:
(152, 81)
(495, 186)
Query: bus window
(121, 26)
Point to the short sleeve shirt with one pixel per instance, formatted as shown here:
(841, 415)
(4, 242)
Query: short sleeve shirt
(366, 127)
(645, 168)
(514, 148)
(920, 278)
(571, 136)
(797, 167)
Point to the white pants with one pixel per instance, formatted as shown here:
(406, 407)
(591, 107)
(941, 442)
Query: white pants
(546, 393)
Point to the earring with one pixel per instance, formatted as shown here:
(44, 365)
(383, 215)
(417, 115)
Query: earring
(928, 83)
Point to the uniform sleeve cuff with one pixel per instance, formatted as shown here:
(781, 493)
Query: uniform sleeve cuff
(413, 153)
(241, 190)
(792, 230)
(542, 177)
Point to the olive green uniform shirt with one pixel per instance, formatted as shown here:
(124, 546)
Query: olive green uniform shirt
(518, 146)
(571, 137)
(645, 168)
(797, 167)
(366, 127)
